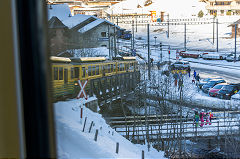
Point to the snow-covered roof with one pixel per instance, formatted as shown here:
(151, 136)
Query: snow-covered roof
(77, 19)
(94, 24)
(62, 11)
(55, 23)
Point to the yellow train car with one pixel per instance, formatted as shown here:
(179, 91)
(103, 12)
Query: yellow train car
(179, 71)
(67, 71)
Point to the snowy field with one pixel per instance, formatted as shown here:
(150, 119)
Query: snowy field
(73, 143)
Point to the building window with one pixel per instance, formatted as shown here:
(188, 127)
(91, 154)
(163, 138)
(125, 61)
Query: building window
(103, 34)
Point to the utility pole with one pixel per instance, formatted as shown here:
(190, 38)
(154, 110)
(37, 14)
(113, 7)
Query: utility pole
(217, 33)
(235, 49)
(185, 37)
(133, 35)
(168, 26)
(149, 64)
(109, 43)
(115, 46)
(213, 28)
(136, 23)
(169, 54)
(117, 20)
(155, 43)
(161, 50)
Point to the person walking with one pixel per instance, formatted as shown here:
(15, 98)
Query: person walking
(196, 117)
(202, 117)
(175, 76)
(158, 65)
(180, 82)
(189, 71)
(210, 117)
(207, 118)
(194, 74)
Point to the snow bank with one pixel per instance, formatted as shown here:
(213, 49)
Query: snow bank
(73, 143)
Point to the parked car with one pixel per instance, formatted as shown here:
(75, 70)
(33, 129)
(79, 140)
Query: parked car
(206, 87)
(212, 56)
(180, 65)
(214, 91)
(231, 57)
(204, 81)
(227, 91)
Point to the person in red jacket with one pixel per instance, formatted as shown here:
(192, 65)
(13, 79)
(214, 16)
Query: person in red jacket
(210, 117)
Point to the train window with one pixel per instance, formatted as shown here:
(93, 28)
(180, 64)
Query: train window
(89, 71)
(93, 70)
(127, 66)
(104, 69)
(55, 69)
(83, 72)
(114, 67)
(122, 67)
(60, 73)
(76, 71)
(72, 73)
(118, 67)
(109, 68)
(97, 70)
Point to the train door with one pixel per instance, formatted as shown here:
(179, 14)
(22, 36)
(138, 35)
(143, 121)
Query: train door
(65, 75)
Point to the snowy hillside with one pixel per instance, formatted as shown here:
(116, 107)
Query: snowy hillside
(73, 143)
(184, 8)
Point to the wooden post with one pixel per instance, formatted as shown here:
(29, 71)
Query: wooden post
(142, 154)
(90, 127)
(117, 147)
(96, 134)
(84, 124)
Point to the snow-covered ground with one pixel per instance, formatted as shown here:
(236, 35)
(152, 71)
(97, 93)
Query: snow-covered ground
(73, 143)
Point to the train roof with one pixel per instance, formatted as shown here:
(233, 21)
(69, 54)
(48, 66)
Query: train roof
(79, 60)
(87, 59)
(60, 59)
(125, 58)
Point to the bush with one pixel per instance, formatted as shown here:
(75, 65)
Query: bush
(200, 14)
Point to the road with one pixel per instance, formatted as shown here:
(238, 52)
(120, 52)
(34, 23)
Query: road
(229, 76)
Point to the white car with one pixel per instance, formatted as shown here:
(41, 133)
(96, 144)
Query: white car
(212, 56)
(236, 97)
(180, 65)
(231, 57)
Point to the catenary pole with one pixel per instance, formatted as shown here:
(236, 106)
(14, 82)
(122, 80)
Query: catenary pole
(185, 37)
(149, 64)
(213, 28)
(109, 44)
(133, 34)
(168, 26)
(217, 33)
(115, 45)
(235, 48)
